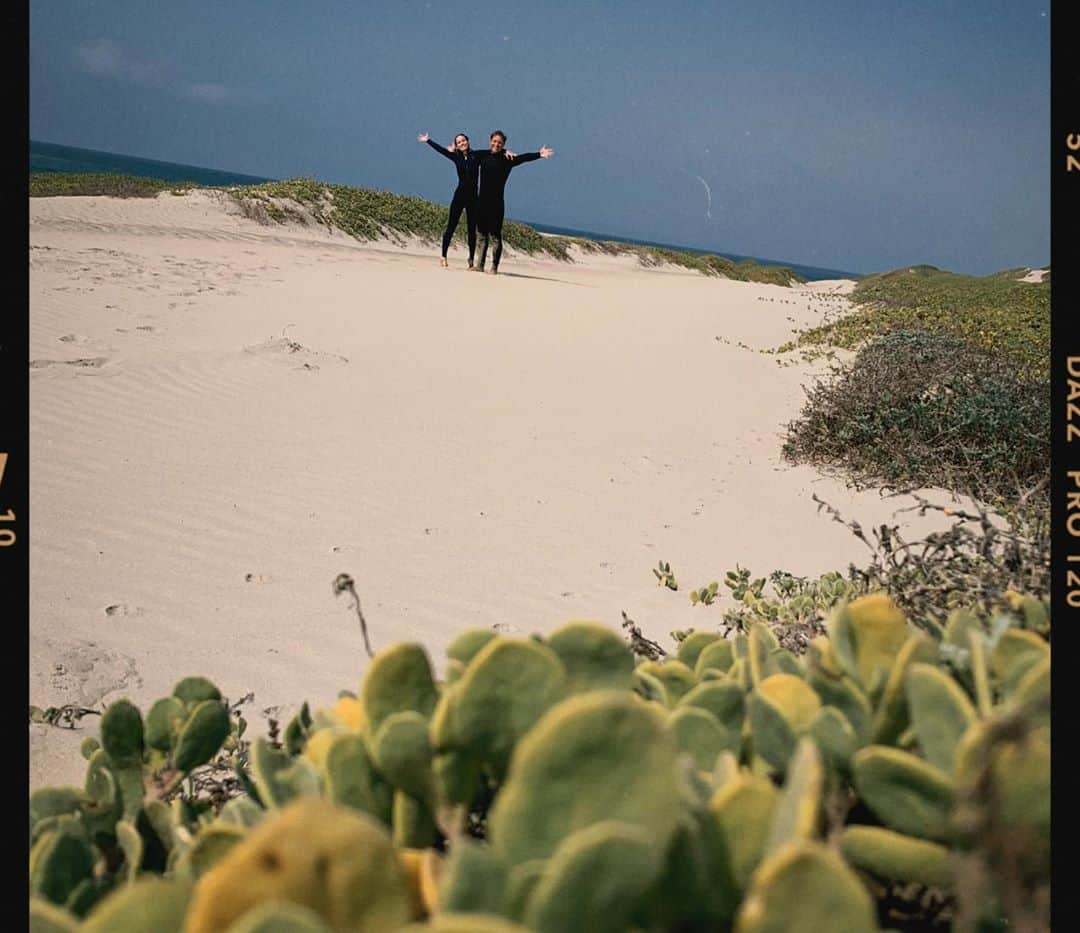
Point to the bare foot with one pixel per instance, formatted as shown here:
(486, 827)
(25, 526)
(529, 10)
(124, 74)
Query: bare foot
(443, 262)
(493, 271)
(476, 268)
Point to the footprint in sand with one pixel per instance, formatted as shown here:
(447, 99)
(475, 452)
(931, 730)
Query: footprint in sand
(123, 609)
(257, 578)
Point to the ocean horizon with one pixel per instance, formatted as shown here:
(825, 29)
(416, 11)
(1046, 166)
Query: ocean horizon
(55, 157)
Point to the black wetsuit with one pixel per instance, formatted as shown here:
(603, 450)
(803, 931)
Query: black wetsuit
(495, 169)
(464, 196)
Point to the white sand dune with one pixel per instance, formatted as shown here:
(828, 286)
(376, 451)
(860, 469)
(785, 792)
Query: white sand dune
(225, 416)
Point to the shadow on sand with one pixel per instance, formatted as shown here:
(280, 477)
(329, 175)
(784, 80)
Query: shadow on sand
(541, 278)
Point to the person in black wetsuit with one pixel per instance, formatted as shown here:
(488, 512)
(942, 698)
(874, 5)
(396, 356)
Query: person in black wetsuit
(495, 168)
(466, 161)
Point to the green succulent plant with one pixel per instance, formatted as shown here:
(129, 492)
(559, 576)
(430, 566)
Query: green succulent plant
(555, 784)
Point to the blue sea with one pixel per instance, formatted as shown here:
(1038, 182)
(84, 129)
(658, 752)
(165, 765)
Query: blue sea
(52, 157)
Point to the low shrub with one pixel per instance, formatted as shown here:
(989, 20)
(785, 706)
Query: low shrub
(915, 409)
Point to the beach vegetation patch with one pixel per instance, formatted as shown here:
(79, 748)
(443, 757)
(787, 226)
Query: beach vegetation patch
(1002, 313)
(972, 570)
(369, 214)
(917, 409)
(57, 184)
(745, 270)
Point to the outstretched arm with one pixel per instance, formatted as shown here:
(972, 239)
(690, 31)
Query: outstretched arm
(442, 150)
(544, 153)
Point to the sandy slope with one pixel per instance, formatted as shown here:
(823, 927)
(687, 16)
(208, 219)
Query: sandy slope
(225, 416)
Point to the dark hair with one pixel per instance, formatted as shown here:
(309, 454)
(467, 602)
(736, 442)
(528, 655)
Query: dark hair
(466, 135)
(498, 133)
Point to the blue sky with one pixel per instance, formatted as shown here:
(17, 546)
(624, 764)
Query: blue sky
(849, 135)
